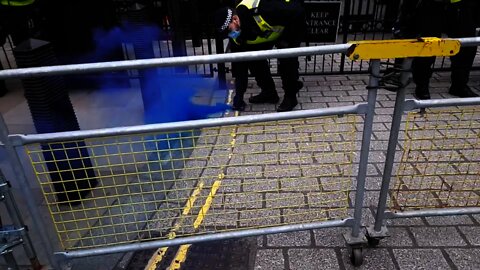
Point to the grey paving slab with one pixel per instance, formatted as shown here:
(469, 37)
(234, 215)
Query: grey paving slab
(267, 259)
(472, 234)
(465, 259)
(399, 237)
(431, 259)
(330, 237)
(437, 236)
(312, 259)
(450, 220)
(293, 239)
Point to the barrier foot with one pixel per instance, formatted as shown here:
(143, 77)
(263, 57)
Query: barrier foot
(374, 237)
(356, 246)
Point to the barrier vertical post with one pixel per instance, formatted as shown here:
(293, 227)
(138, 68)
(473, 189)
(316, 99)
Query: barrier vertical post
(378, 230)
(23, 184)
(357, 240)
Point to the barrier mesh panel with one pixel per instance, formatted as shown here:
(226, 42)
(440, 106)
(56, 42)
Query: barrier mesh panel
(129, 188)
(440, 164)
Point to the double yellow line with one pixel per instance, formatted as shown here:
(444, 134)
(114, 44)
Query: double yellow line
(182, 252)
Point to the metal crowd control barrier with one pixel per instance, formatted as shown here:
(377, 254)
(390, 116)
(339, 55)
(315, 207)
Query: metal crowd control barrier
(439, 171)
(187, 182)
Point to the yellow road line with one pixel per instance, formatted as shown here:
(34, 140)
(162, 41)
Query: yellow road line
(160, 253)
(180, 257)
(182, 252)
(208, 202)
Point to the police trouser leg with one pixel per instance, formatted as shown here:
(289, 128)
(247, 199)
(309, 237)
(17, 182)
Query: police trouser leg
(288, 69)
(461, 65)
(261, 71)
(421, 72)
(240, 73)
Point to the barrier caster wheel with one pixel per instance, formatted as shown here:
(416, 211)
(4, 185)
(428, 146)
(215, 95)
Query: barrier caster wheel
(373, 242)
(356, 256)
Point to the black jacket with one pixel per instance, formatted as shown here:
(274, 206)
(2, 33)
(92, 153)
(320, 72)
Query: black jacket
(290, 15)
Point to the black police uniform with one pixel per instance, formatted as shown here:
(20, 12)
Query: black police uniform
(431, 18)
(290, 15)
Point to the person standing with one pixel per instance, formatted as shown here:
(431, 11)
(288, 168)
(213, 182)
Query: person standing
(431, 18)
(261, 25)
(15, 21)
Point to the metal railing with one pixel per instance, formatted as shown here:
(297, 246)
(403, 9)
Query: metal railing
(187, 182)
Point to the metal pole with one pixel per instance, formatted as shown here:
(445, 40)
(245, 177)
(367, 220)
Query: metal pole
(171, 61)
(365, 150)
(18, 223)
(345, 26)
(10, 260)
(392, 144)
(24, 187)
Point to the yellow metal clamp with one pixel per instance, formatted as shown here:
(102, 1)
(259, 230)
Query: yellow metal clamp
(402, 48)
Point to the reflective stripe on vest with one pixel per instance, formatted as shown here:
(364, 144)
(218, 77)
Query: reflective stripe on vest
(455, 1)
(271, 33)
(16, 3)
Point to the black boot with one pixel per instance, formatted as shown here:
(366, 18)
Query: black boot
(422, 93)
(264, 97)
(238, 103)
(288, 104)
(462, 92)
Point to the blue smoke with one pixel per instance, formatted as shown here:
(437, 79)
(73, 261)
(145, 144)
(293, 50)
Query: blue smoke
(167, 97)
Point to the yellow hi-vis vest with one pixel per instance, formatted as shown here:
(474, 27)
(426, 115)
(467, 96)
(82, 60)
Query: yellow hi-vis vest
(271, 33)
(16, 3)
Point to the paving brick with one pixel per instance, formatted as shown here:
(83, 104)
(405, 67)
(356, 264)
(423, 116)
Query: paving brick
(311, 106)
(450, 220)
(269, 259)
(336, 78)
(339, 104)
(437, 236)
(312, 259)
(355, 99)
(378, 258)
(476, 217)
(359, 87)
(465, 259)
(405, 222)
(431, 259)
(328, 83)
(336, 93)
(293, 239)
(276, 200)
(330, 237)
(472, 233)
(367, 216)
(341, 87)
(354, 82)
(324, 99)
(370, 198)
(399, 237)
(386, 103)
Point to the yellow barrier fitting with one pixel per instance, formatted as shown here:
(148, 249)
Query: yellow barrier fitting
(402, 48)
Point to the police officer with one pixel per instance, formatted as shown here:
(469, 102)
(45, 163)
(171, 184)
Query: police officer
(260, 25)
(14, 21)
(15, 16)
(431, 18)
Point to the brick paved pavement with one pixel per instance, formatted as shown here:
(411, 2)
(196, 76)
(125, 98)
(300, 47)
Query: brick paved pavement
(416, 243)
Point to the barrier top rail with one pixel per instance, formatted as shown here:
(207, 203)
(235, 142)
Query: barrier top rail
(381, 49)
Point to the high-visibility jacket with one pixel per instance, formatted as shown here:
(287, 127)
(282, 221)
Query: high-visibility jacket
(271, 32)
(16, 3)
